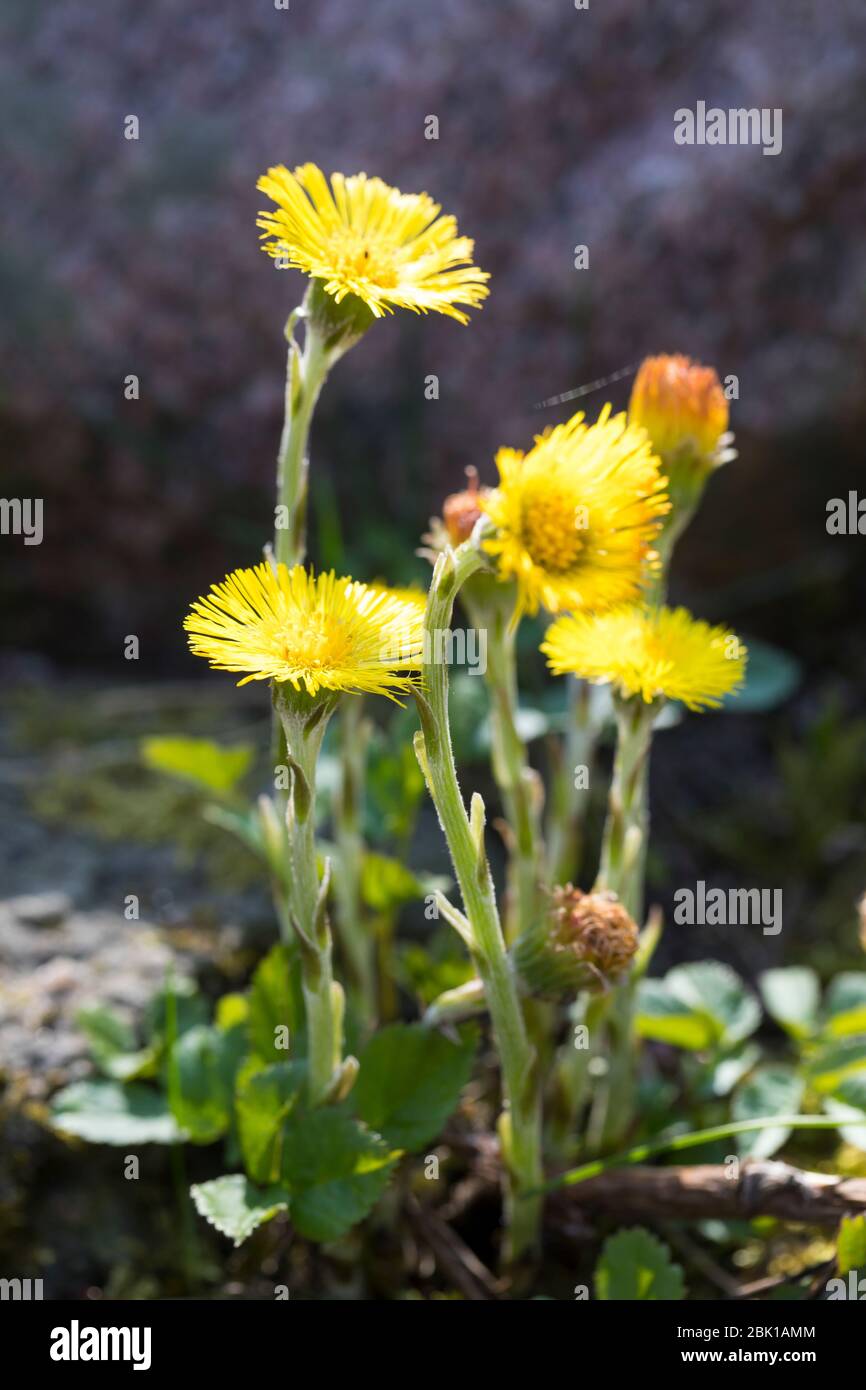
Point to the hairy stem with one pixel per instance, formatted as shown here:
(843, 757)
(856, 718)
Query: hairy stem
(356, 937)
(516, 780)
(627, 825)
(621, 870)
(305, 375)
(520, 1122)
(323, 997)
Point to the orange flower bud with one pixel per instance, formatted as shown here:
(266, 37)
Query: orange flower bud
(682, 407)
(461, 510)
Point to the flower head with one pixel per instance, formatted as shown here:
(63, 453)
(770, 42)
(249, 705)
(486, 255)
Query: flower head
(316, 632)
(576, 517)
(358, 236)
(653, 653)
(683, 409)
(461, 510)
(588, 942)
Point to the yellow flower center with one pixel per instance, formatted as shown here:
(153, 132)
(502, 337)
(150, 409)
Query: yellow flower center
(314, 645)
(552, 525)
(363, 257)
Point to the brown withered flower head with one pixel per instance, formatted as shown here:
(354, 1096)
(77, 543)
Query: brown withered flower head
(589, 943)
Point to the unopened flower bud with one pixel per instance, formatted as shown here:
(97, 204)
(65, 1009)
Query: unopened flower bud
(461, 510)
(683, 409)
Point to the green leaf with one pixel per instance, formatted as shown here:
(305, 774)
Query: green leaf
(635, 1266)
(113, 1045)
(231, 1010)
(387, 884)
(770, 1090)
(273, 1007)
(198, 760)
(851, 1244)
(244, 825)
(335, 1170)
(430, 970)
(266, 1095)
(836, 1062)
(852, 1090)
(410, 1081)
(791, 995)
(105, 1112)
(235, 1207)
(106, 1032)
(723, 1073)
(199, 1093)
(854, 1133)
(662, 1017)
(717, 993)
(845, 1006)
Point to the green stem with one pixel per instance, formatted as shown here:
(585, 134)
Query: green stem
(355, 936)
(520, 1122)
(627, 825)
(569, 803)
(572, 1074)
(514, 776)
(614, 1104)
(304, 729)
(678, 1142)
(305, 375)
(621, 871)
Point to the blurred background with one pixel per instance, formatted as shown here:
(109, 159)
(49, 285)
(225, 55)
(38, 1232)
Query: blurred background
(141, 257)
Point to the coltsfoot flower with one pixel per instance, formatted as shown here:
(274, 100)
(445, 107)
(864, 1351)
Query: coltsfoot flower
(360, 237)
(461, 510)
(683, 409)
(316, 632)
(653, 653)
(576, 517)
(588, 941)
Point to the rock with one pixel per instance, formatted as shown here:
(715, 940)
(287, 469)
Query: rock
(41, 909)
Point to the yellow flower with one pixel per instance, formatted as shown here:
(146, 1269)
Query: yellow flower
(359, 236)
(317, 632)
(681, 405)
(576, 517)
(653, 653)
